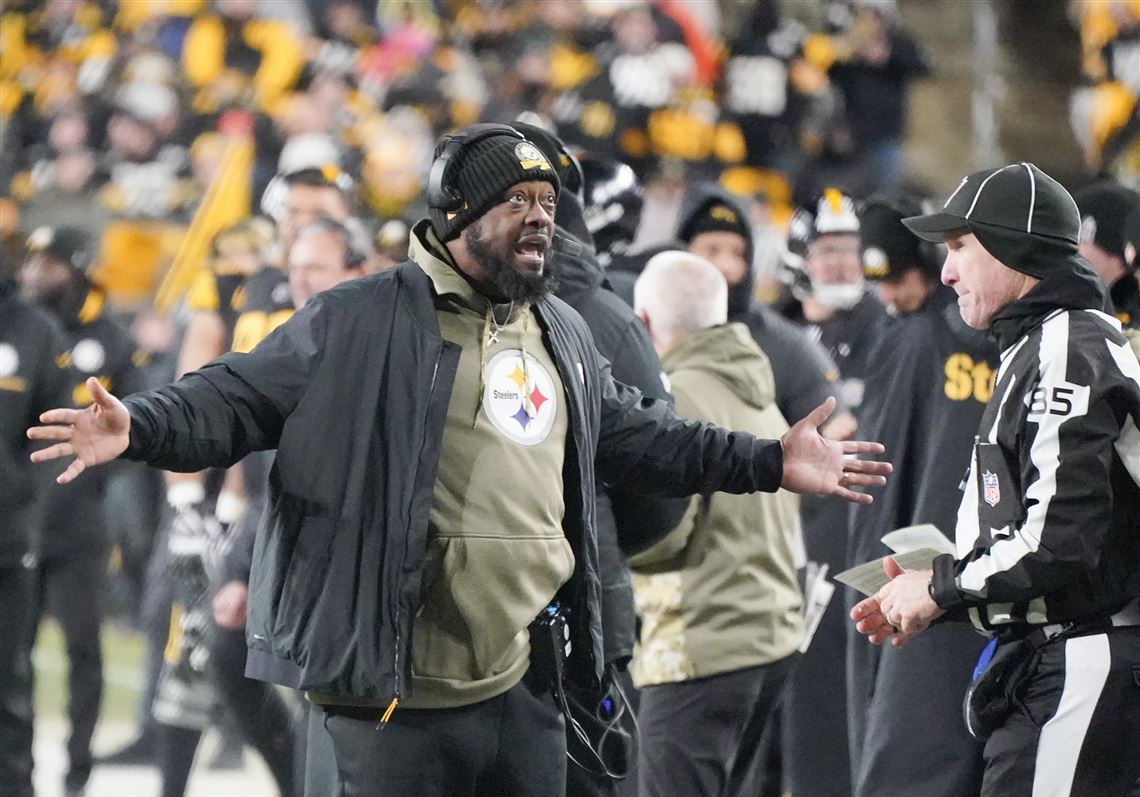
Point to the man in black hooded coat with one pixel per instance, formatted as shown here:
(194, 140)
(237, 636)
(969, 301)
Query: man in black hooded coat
(622, 339)
(804, 373)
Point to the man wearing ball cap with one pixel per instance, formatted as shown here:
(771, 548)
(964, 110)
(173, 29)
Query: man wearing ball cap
(427, 568)
(1048, 530)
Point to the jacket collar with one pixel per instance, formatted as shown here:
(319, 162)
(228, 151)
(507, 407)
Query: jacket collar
(1074, 288)
(426, 250)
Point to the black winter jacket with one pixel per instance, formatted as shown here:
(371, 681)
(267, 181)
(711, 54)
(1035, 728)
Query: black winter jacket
(32, 380)
(622, 339)
(352, 392)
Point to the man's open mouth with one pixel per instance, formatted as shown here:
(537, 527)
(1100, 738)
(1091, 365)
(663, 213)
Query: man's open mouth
(532, 249)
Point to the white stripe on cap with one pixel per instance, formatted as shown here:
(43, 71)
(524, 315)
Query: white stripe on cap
(1088, 661)
(1032, 197)
(980, 189)
(946, 204)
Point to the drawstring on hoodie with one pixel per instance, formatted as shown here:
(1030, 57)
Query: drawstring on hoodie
(485, 339)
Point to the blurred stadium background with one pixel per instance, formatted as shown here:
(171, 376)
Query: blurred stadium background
(155, 123)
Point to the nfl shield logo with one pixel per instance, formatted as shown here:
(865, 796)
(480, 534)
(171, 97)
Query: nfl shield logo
(990, 490)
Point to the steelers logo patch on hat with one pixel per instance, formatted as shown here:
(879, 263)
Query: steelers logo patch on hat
(530, 157)
(520, 397)
(875, 262)
(723, 213)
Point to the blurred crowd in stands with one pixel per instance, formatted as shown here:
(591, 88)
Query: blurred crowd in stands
(157, 128)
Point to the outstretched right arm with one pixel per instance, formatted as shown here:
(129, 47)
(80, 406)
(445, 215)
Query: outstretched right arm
(211, 417)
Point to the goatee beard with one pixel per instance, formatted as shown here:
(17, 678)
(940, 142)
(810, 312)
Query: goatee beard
(498, 262)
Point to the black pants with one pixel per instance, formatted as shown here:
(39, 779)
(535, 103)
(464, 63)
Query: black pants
(265, 720)
(816, 760)
(909, 739)
(262, 715)
(1076, 729)
(15, 681)
(70, 589)
(612, 735)
(703, 738)
(513, 744)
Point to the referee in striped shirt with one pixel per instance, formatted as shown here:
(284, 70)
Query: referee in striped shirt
(1048, 531)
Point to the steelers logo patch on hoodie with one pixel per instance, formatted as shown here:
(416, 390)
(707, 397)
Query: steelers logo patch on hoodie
(520, 397)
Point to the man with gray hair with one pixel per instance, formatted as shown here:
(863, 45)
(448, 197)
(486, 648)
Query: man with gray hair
(718, 597)
(324, 254)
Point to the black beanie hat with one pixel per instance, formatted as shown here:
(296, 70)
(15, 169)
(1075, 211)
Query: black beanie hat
(715, 217)
(889, 250)
(69, 245)
(481, 172)
(1105, 209)
(569, 170)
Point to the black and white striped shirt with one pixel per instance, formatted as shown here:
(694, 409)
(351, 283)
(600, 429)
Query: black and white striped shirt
(1048, 530)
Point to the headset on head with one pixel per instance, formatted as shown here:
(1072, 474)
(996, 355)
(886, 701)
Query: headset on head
(442, 196)
(273, 198)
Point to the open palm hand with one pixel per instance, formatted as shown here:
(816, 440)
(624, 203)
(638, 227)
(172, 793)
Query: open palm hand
(93, 435)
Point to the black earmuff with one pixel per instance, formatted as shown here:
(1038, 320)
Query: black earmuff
(442, 195)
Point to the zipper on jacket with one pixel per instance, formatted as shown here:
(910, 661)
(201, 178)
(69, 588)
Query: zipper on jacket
(387, 715)
(396, 671)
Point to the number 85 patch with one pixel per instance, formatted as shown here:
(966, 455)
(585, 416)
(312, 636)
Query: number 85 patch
(1064, 400)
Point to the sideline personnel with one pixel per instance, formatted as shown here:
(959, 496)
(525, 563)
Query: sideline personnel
(1048, 531)
(385, 573)
(719, 604)
(33, 377)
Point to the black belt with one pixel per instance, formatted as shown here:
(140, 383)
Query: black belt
(1127, 617)
(367, 713)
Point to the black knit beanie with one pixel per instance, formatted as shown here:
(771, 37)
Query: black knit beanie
(482, 172)
(715, 217)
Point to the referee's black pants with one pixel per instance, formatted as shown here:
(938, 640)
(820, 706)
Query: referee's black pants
(1076, 729)
(513, 744)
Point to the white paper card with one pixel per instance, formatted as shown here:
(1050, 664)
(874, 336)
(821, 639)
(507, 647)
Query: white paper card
(869, 577)
(913, 538)
(818, 592)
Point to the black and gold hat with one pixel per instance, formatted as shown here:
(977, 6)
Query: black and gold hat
(715, 217)
(482, 171)
(69, 245)
(888, 248)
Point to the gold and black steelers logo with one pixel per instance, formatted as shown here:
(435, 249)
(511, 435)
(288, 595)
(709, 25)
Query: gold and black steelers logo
(530, 157)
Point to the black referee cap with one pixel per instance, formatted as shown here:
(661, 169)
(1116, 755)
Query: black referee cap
(1021, 215)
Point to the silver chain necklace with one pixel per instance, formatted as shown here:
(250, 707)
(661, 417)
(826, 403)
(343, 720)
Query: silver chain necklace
(493, 336)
